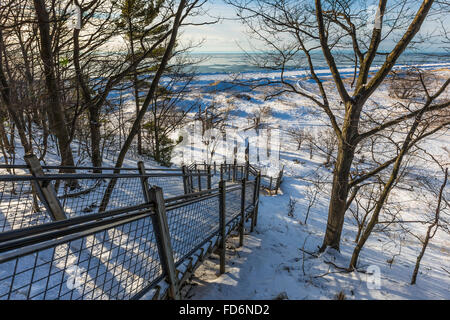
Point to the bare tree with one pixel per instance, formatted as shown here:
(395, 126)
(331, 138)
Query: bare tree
(432, 228)
(56, 113)
(420, 126)
(299, 136)
(293, 30)
(183, 11)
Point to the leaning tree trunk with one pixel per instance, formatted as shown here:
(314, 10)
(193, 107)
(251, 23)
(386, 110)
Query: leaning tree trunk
(340, 187)
(94, 108)
(5, 92)
(387, 187)
(55, 110)
(135, 85)
(150, 95)
(94, 125)
(430, 234)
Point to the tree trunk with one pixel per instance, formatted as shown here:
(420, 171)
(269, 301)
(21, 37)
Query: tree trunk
(93, 108)
(150, 95)
(387, 188)
(55, 111)
(94, 125)
(135, 85)
(340, 188)
(429, 234)
(157, 153)
(5, 92)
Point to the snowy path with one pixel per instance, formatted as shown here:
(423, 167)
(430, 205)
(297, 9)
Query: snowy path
(270, 264)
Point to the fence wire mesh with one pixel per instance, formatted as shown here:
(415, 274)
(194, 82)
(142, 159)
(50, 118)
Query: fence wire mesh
(19, 206)
(114, 263)
(233, 203)
(87, 197)
(172, 185)
(249, 194)
(198, 180)
(192, 224)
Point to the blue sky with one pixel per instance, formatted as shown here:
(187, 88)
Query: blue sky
(220, 37)
(229, 34)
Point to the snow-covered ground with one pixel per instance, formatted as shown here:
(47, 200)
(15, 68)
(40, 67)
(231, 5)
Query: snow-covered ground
(273, 262)
(279, 259)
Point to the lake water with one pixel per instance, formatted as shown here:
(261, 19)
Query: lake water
(240, 62)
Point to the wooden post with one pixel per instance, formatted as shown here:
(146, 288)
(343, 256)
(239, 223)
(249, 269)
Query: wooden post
(162, 236)
(144, 182)
(44, 189)
(242, 223)
(256, 200)
(215, 171)
(185, 180)
(247, 152)
(221, 171)
(191, 181)
(280, 176)
(222, 221)
(209, 176)
(234, 170)
(199, 180)
(247, 166)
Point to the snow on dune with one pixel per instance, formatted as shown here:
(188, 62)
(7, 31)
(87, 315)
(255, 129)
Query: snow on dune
(276, 262)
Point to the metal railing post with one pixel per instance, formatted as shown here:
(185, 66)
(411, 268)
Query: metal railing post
(209, 177)
(280, 176)
(144, 182)
(247, 166)
(185, 180)
(256, 201)
(242, 223)
(162, 235)
(199, 177)
(45, 190)
(222, 227)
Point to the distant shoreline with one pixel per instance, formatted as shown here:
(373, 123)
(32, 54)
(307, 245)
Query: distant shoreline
(238, 62)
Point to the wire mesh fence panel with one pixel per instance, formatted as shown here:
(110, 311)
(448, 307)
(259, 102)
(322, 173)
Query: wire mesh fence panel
(192, 224)
(87, 197)
(172, 185)
(266, 182)
(115, 263)
(249, 194)
(19, 206)
(215, 179)
(240, 174)
(233, 203)
(198, 180)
